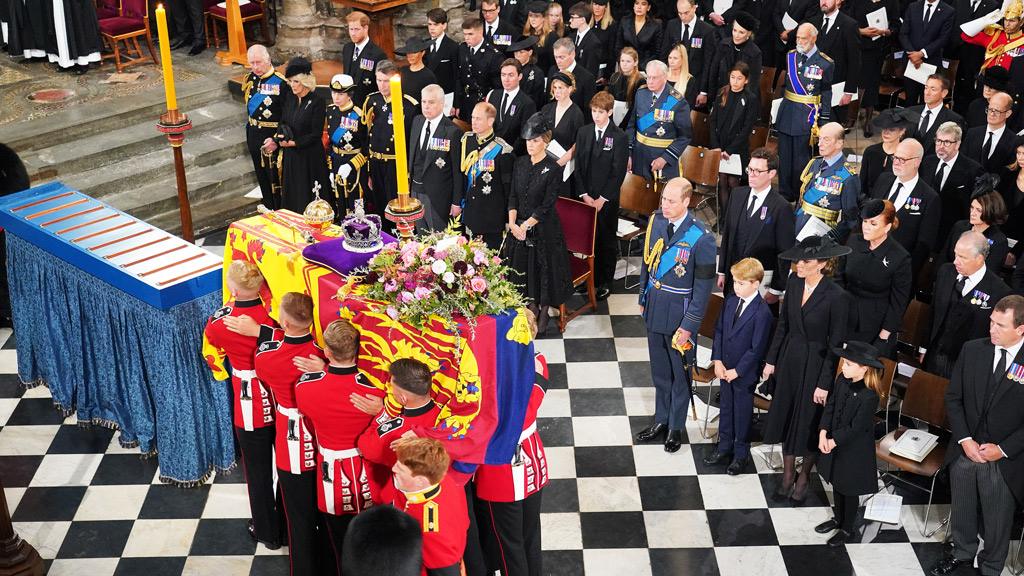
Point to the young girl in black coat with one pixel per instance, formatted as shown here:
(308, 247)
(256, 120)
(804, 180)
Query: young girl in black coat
(846, 438)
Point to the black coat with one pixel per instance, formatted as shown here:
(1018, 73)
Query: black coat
(799, 11)
(478, 74)
(533, 83)
(618, 86)
(873, 163)
(774, 233)
(1014, 199)
(954, 322)
(879, 284)
(514, 12)
(927, 139)
(565, 131)
(509, 126)
(305, 164)
(970, 403)
(955, 194)
(919, 219)
(601, 167)
(586, 87)
(1002, 156)
(842, 44)
(932, 37)
(610, 59)
(590, 53)
(444, 63)
(726, 55)
(998, 247)
(801, 352)
(364, 70)
(849, 419)
(700, 53)
(435, 171)
(731, 124)
(647, 43)
(501, 35)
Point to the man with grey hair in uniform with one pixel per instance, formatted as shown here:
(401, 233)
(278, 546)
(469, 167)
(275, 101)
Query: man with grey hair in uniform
(659, 129)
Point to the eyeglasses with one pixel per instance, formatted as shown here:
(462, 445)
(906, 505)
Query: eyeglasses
(995, 111)
(902, 160)
(755, 171)
(945, 142)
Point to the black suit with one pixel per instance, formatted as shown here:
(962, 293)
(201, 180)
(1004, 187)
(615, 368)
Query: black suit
(955, 193)
(700, 52)
(188, 19)
(362, 70)
(647, 43)
(706, 7)
(515, 12)
(1001, 155)
(434, 171)
(508, 125)
(479, 72)
(590, 53)
(600, 170)
(971, 56)
(586, 87)
(799, 11)
(985, 406)
(763, 236)
(444, 63)
(956, 319)
(927, 138)
(932, 37)
(919, 219)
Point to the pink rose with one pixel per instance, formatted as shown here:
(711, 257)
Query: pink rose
(462, 241)
(392, 312)
(390, 286)
(478, 284)
(479, 257)
(420, 292)
(495, 260)
(405, 296)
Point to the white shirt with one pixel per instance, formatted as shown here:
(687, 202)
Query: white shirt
(493, 25)
(473, 49)
(431, 124)
(580, 34)
(600, 132)
(745, 302)
(831, 20)
(949, 168)
(972, 280)
(759, 197)
(571, 66)
(511, 96)
(934, 113)
(908, 187)
(436, 42)
(996, 135)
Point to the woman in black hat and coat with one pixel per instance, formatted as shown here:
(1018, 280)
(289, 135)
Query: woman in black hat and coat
(993, 79)
(300, 136)
(524, 51)
(877, 158)
(846, 437)
(563, 117)
(737, 46)
(536, 245)
(877, 275)
(812, 321)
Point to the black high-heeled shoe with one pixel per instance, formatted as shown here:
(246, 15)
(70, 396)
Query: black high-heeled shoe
(782, 492)
(798, 496)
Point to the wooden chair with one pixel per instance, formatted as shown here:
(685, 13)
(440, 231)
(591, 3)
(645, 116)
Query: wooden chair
(951, 75)
(766, 87)
(132, 24)
(255, 12)
(913, 332)
(207, 4)
(638, 198)
(579, 225)
(758, 137)
(700, 166)
(461, 124)
(891, 86)
(924, 401)
(107, 9)
(706, 337)
(701, 129)
(888, 377)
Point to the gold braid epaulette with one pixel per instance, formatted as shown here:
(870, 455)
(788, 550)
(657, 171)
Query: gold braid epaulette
(652, 255)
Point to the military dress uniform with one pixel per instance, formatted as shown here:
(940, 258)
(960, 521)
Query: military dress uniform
(479, 72)
(806, 104)
(658, 128)
(487, 163)
(264, 100)
(253, 408)
(829, 193)
(1000, 49)
(381, 149)
(676, 278)
(346, 136)
(375, 441)
(440, 510)
(294, 442)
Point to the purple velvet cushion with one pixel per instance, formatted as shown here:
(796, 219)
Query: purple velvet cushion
(332, 255)
(121, 25)
(246, 10)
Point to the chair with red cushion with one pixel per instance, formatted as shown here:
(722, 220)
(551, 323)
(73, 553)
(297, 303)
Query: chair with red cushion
(579, 225)
(132, 24)
(108, 9)
(255, 11)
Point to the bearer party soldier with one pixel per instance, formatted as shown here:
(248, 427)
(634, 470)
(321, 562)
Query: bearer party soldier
(659, 129)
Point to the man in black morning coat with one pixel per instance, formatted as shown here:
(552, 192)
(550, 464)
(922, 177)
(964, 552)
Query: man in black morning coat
(434, 161)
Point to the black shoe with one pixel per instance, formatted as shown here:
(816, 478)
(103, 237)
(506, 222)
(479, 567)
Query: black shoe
(580, 290)
(782, 492)
(651, 433)
(717, 457)
(839, 538)
(197, 49)
(81, 69)
(673, 441)
(948, 565)
(180, 43)
(251, 528)
(602, 293)
(826, 526)
(736, 467)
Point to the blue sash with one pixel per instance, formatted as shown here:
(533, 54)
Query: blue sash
(339, 133)
(257, 98)
(793, 70)
(647, 120)
(813, 194)
(679, 253)
(474, 170)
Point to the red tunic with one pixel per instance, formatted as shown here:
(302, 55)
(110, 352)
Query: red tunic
(375, 441)
(527, 473)
(994, 39)
(441, 512)
(323, 397)
(253, 405)
(294, 444)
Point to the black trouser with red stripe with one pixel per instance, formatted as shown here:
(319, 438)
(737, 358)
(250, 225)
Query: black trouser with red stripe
(298, 491)
(516, 528)
(256, 450)
(337, 527)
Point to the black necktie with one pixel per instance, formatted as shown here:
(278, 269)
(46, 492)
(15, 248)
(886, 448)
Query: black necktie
(986, 148)
(895, 193)
(355, 54)
(824, 26)
(600, 134)
(924, 121)
(579, 38)
(686, 34)
(961, 283)
(974, 7)
(940, 175)
(490, 32)
(751, 204)
(504, 105)
(1000, 370)
(671, 230)
(739, 312)
(426, 137)
(433, 46)
(928, 14)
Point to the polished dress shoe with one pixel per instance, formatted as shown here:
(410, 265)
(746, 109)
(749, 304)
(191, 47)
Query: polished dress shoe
(717, 457)
(826, 526)
(736, 467)
(948, 565)
(673, 441)
(839, 538)
(652, 432)
(251, 528)
(180, 43)
(602, 293)
(197, 49)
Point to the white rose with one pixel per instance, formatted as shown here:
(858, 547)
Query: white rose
(448, 278)
(439, 267)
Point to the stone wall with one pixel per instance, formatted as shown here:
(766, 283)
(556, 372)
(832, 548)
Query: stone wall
(316, 28)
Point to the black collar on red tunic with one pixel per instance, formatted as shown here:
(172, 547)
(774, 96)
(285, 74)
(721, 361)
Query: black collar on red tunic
(297, 339)
(418, 411)
(342, 370)
(248, 303)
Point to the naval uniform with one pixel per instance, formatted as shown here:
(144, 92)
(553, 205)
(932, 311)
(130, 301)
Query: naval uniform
(381, 149)
(343, 488)
(829, 194)
(677, 275)
(440, 510)
(264, 98)
(346, 135)
(806, 102)
(294, 443)
(487, 163)
(658, 128)
(253, 408)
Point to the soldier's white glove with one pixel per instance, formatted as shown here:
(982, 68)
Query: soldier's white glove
(344, 171)
(975, 26)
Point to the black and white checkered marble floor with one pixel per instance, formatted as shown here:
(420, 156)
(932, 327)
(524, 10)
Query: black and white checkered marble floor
(612, 507)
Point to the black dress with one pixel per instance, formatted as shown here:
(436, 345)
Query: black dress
(618, 86)
(304, 165)
(731, 123)
(998, 247)
(873, 51)
(1014, 198)
(542, 261)
(545, 53)
(611, 58)
(849, 419)
(879, 284)
(873, 164)
(801, 352)
(647, 43)
(565, 131)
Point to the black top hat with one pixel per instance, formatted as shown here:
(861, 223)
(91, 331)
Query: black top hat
(296, 66)
(746, 20)
(861, 353)
(872, 208)
(537, 7)
(535, 127)
(524, 44)
(412, 46)
(815, 248)
(893, 118)
(995, 77)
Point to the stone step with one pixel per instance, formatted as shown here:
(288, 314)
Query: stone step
(215, 146)
(124, 143)
(81, 121)
(209, 215)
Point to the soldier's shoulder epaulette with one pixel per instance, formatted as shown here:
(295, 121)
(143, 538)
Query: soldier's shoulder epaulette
(675, 94)
(826, 57)
(357, 110)
(362, 380)
(414, 101)
(505, 147)
(222, 312)
(280, 75)
(268, 346)
(311, 376)
(466, 135)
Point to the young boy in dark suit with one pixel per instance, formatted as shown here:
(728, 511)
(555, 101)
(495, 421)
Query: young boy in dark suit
(742, 334)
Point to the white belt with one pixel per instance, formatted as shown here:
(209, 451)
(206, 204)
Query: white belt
(249, 374)
(528, 432)
(246, 376)
(335, 455)
(291, 413)
(327, 474)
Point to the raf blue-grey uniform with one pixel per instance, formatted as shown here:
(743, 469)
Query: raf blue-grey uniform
(812, 80)
(659, 128)
(676, 280)
(829, 192)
